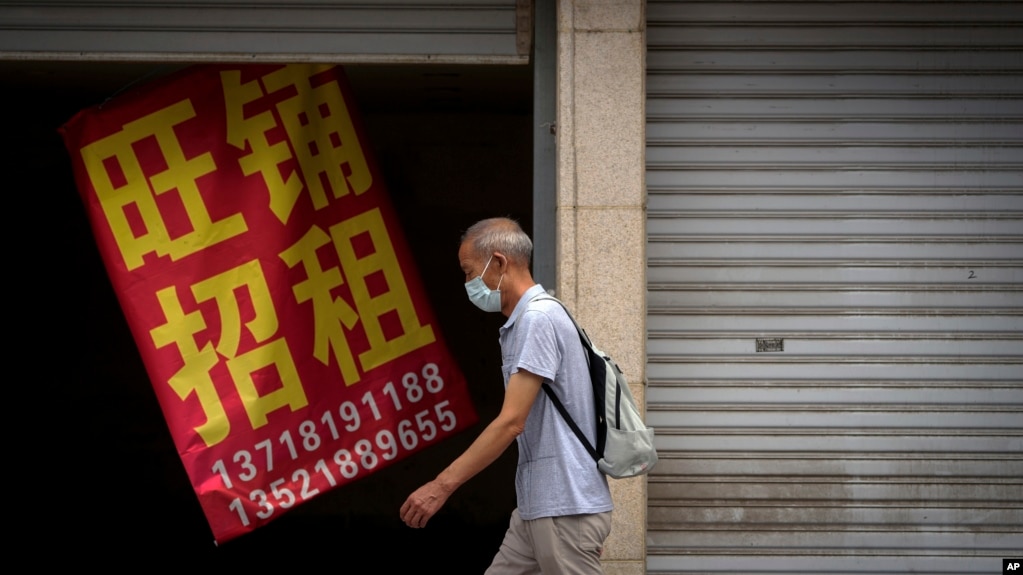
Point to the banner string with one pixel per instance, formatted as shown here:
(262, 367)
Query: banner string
(152, 74)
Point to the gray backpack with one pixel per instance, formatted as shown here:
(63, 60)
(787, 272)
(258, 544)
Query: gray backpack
(625, 445)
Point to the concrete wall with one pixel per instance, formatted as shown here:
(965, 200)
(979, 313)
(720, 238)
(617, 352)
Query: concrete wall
(602, 211)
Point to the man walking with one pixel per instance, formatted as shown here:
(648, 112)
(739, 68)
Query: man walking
(564, 505)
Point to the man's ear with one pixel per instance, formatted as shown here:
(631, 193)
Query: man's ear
(502, 261)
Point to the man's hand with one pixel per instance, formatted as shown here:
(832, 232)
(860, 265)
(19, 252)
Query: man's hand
(423, 503)
(519, 395)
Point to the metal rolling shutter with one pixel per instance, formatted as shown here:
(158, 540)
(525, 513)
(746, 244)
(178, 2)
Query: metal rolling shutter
(336, 30)
(844, 180)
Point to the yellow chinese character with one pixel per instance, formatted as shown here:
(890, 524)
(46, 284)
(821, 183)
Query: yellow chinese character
(388, 296)
(329, 313)
(224, 289)
(322, 134)
(248, 368)
(194, 376)
(359, 267)
(123, 188)
(264, 157)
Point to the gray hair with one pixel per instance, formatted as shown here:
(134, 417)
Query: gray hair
(500, 235)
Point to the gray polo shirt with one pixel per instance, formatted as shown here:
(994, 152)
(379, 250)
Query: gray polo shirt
(555, 476)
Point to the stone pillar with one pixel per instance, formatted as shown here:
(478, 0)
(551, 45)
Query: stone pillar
(601, 215)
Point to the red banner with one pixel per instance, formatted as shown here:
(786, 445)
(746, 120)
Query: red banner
(252, 245)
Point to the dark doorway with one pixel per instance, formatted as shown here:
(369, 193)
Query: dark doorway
(454, 144)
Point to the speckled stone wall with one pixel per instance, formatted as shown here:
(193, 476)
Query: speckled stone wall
(602, 212)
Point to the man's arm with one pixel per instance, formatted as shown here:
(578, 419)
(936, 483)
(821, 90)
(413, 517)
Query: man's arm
(519, 395)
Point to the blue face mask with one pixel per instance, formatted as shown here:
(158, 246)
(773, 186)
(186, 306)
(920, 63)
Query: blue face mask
(480, 295)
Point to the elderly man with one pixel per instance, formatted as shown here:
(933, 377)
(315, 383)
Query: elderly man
(564, 506)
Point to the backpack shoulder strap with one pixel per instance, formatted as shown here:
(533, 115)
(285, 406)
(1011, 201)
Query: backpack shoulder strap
(571, 422)
(550, 392)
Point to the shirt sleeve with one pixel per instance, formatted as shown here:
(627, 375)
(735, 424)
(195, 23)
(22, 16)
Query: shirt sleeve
(539, 352)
